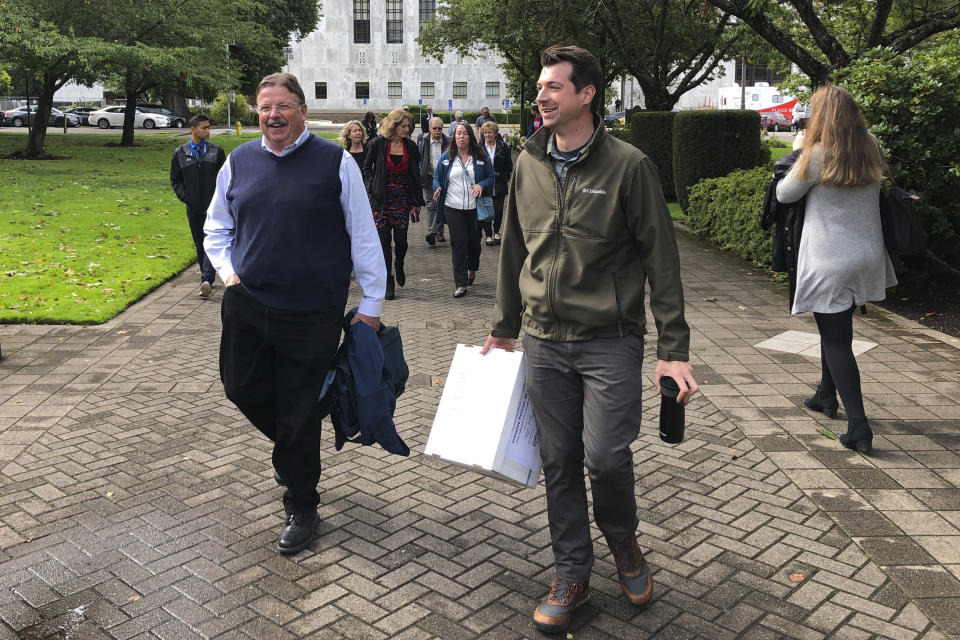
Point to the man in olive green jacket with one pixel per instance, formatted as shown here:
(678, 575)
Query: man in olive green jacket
(585, 227)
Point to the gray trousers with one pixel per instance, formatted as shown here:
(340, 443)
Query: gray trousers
(432, 226)
(586, 398)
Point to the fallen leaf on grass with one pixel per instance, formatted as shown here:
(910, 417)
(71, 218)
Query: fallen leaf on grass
(797, 577)
(827, 432)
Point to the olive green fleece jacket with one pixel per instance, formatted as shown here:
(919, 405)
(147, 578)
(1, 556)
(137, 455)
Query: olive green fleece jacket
(574, 261)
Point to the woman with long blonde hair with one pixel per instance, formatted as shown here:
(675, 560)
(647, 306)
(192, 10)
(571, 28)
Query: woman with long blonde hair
(842, 262)
(353, 138)
(391, 172)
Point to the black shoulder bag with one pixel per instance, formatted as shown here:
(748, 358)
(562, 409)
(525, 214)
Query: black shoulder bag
(902, 232)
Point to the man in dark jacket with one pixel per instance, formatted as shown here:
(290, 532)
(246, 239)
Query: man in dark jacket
(430, 148)
(193, 175)
(586, 227)
(425, 121)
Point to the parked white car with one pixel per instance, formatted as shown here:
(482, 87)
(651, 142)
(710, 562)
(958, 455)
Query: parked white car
(110, 117)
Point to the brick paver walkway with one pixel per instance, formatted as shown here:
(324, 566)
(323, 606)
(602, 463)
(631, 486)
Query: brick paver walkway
(135, 502)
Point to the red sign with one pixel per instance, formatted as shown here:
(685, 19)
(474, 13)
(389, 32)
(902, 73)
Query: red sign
(786, 107)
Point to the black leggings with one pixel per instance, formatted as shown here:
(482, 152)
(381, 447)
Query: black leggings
(399, 242)
(839, 367)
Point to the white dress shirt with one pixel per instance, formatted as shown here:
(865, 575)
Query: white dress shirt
(365, 251)
(459, 183)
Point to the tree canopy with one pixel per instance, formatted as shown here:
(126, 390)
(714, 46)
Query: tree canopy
(670, 46)
(140, 45)
(821, 36)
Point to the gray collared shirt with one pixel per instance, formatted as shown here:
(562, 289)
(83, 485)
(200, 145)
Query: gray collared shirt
(563, 159)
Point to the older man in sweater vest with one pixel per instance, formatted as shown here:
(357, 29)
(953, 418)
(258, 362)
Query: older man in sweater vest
(289, 221)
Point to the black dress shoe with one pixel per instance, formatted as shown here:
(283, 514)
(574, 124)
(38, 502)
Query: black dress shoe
(297, 531)
(432, 239)
(401, 274)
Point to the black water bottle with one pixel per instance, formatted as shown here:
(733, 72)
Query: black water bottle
(671, 412)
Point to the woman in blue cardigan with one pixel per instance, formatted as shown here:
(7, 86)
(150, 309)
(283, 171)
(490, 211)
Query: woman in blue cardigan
(463, 174)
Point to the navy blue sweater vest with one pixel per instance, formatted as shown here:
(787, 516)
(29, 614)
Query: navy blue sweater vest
(291, 249)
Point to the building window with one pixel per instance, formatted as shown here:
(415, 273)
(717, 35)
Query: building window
(777, 99)
(361, 21)
(459, 90)
(493, 91)
(320, 90)
(394, 21)
(363, 56)
(288, 53)
(427, 9)
(394, 90)
(394, 57)
(758, 73)
(426, 90)
(363, 90)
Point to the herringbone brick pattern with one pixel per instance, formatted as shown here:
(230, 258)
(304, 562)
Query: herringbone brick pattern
(135, 502)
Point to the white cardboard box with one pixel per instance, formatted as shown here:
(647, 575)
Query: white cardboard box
(484, 419)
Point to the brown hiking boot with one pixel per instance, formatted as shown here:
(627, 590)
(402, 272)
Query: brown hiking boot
(632, 570)
(553, 614)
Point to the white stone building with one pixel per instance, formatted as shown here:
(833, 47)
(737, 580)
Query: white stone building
(364, 57)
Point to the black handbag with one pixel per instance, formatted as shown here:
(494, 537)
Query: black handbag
(902, 232)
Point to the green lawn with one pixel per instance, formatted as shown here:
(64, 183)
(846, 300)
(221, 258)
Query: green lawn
(83, 237)
(676, 212)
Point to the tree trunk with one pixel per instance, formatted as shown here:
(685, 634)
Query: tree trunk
(38, 132)
(657, 98)
(176, 102)
(129, 118)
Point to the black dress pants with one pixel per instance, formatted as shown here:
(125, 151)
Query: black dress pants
(464, 242)
(196, 220)
(272, 364)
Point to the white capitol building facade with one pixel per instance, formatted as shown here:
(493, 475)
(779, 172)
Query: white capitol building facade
(364, 56)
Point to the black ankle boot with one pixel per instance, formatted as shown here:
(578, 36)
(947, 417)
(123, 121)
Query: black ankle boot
(825, 404)
(859, 436)
(391, 293)
(401, 276)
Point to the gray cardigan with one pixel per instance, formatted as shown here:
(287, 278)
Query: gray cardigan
(842, 259)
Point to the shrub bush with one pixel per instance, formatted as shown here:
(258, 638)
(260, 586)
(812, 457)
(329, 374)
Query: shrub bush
(709, 144)
(910, 102)
(653, 134)
(726, 211)
(239, 110)
(496, 110)
(623, 133)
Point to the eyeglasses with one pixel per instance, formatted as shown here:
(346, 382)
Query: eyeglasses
(282, 108)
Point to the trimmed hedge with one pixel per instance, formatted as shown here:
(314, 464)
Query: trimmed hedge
(653, 134)
(726, 211)
(709, 144)
(623, 133)
(496, 110)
